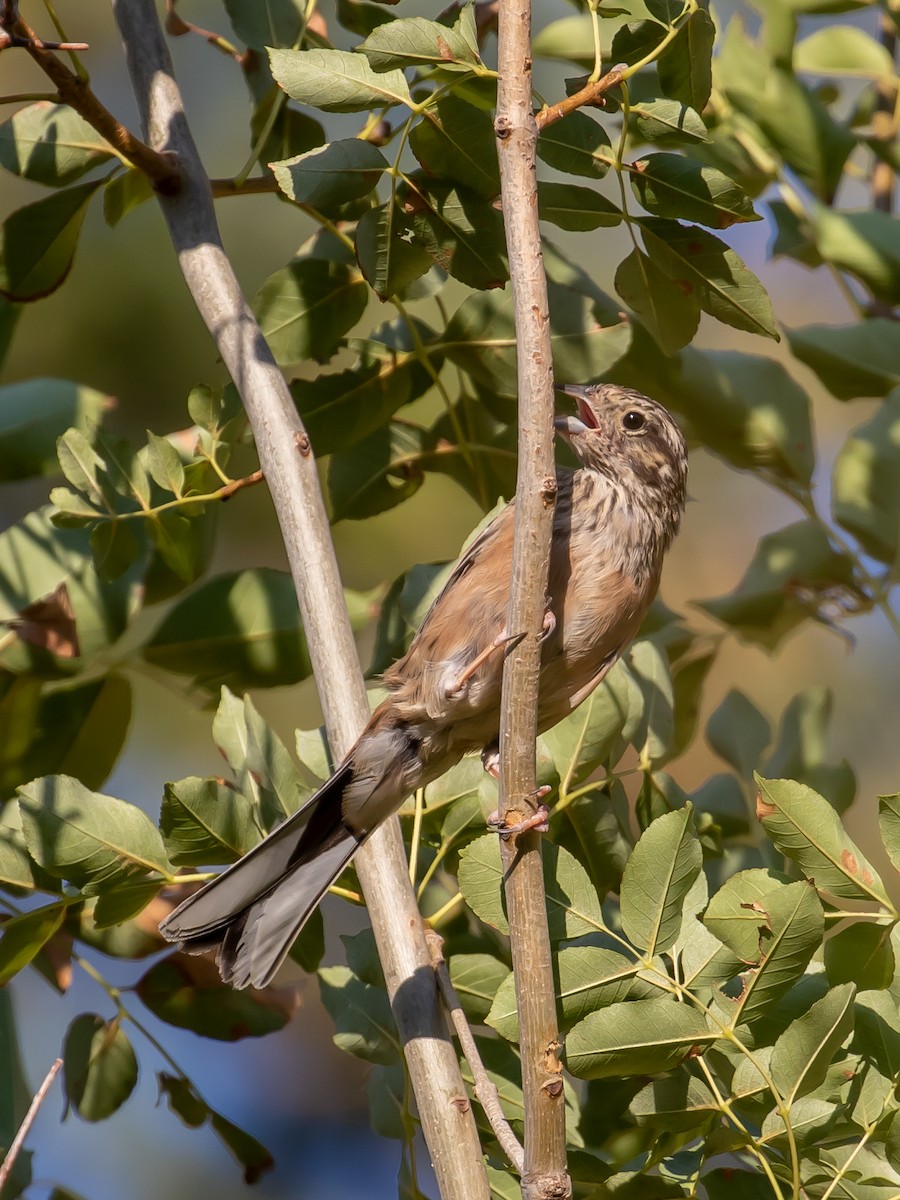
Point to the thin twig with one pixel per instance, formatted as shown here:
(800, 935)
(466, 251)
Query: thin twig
(485, 1089)
(292, 476)
(19, 1140)
(161, 169)
(545, 1172)
(589, 94)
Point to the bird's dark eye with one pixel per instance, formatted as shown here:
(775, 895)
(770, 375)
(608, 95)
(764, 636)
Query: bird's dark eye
(633, 420)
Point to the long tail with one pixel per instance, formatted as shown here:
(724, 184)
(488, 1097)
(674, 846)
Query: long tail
(254, 910)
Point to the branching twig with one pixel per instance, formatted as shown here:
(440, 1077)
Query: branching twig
(19, 1140)
(160, 169)
(545, 1174)
(448, 1125)
(589, 94)
(485, 1090)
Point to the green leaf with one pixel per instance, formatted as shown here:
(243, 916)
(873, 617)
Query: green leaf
(665, 120)
(792, 572)
(38, 243)
(262, 23)
(588, 979)
(660, 873)
(705, 961)
(19, 873)
(50, 144)
(308, 306)
(675, 1103)
(656, 728)
(331, 175)
(791, 929)
(843, 50)
(736, 912)
(75, 730)
(364, 1023)
(34, 413)
(164, 464)
(739, 733)
(454, 140)
(576, 208)
(123, 193)
(889, 826)
(475, 979)
(189, 993)
(336, 80)
(634, 41)
(192, 1109)
(403, 610)
(481, 338)
(22, 937)
(204, 821)
(377, 473)
(851, 360)
(99, 1066)
(123, 901)
(684, 67)
(387, 257)
(806, 829)
(670, 185)
(705, 268)
(749, 411)
(93, 841)
(597, 730)
(577, 145)
(415, 42)
(866, 482)
(863, 243)
(462, 232)
(802, 749)
(861, 954)
(241, 629)
(569, 38)
(265, 772)
(572, 904)
(802, 1054)
(670, 316)
(15, 1095)
(639, 1037)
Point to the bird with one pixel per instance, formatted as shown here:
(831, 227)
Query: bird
(615, 517)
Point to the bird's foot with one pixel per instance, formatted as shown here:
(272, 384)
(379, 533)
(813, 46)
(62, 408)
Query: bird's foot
(539, 819)
(490, 760)
(549, 620)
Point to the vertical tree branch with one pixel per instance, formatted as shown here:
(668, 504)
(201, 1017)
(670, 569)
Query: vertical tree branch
(545, 1172)
(444, 1110)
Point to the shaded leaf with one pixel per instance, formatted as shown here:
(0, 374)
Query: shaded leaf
(670, 185)
(662, 120)
(266, 22)
(184, 1100)
(704, 267)
(379, 472)
(866, 482)
(851, 360)
(331, 175)
(670, 316)
(387, 256)
(793, 572)
(684, 66)
(22, 937)
(99, 1066)
(476, 978)
(50, 144)
(34, 413)
(307, 307)
(38, 243)
(578, 145)
(92, 841)
(738, 732)
(576, 208)
(802, 749)
(364, 1023)
(454, 140)
(204, 821)
(189, 993)
(861, 954)
(572, 904)
(462, 232)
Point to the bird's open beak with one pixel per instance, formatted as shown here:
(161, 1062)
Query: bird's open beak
(568, 426)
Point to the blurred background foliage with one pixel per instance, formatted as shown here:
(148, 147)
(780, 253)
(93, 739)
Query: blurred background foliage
(785, 656)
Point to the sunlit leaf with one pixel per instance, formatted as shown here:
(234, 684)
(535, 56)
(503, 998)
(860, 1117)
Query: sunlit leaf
(50, 144)
(331, 175)
(866, 482)
(662, 868)
(640, 1037)
(336, 80)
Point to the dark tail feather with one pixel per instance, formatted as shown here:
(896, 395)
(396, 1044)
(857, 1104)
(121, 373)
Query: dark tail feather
(254, 910)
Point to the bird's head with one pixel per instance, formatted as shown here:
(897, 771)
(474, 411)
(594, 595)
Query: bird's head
(629, 438)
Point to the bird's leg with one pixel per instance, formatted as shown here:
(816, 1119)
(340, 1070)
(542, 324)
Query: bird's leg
(454, 688)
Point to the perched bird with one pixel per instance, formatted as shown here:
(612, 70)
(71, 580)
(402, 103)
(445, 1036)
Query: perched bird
(614, 520)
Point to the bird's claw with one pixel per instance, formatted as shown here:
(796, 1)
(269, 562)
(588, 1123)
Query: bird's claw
(539, 819)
